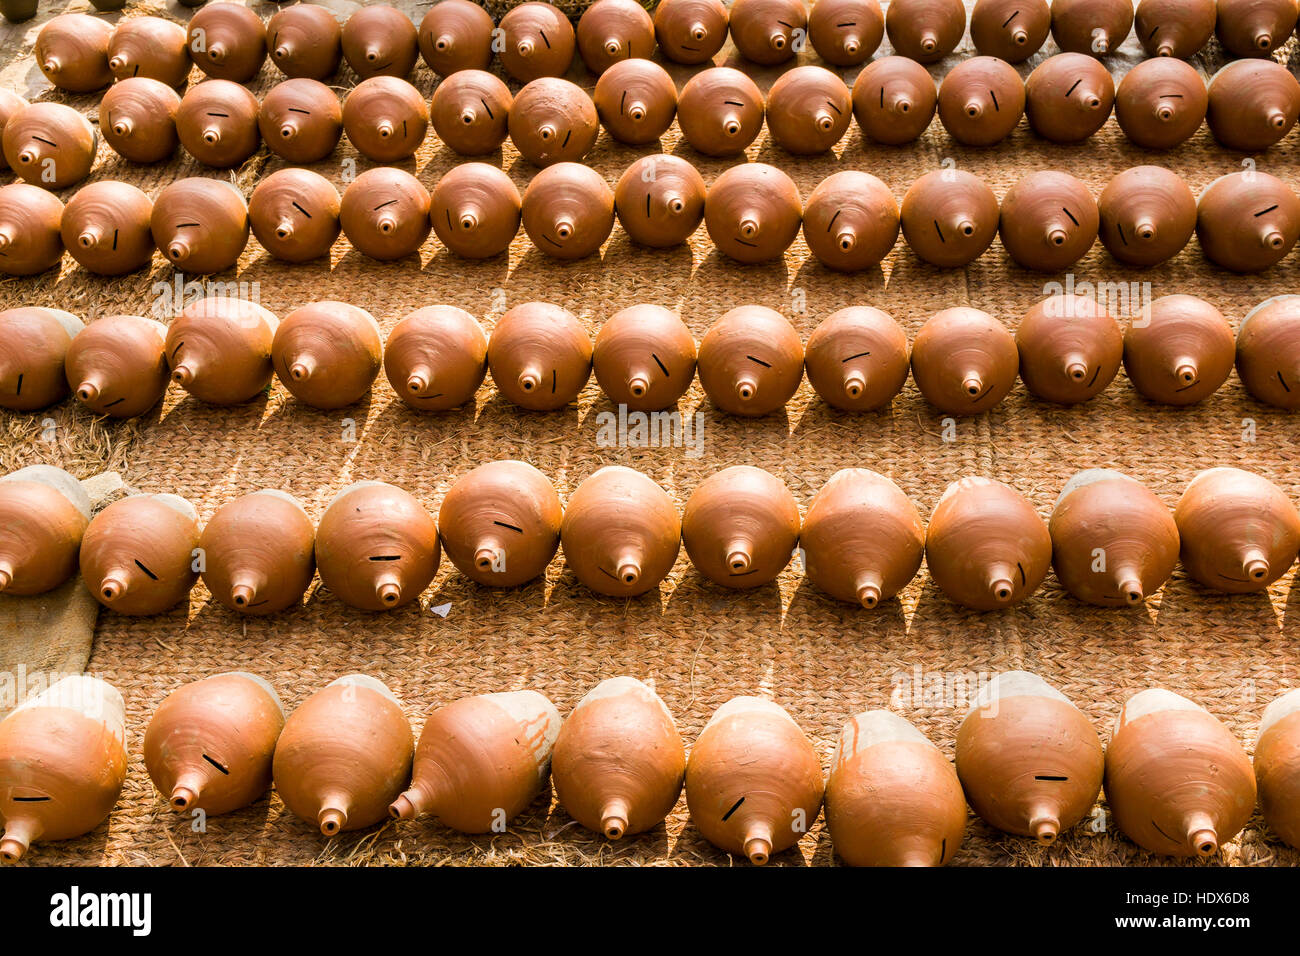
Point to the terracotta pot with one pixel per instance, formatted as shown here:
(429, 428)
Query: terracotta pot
(385, 118)
(137, 118)
(1070, 349)
(117, 366)
(1180, 352)
(1268, 352)
(753, 782)
(17, 11)
(753, 212)
(152, 47)
(139, 556)
(981, 101)
(294, 213)
(1239, 531)
(808, 110)
(1097, 27)
(1247, 222)
(1049, 221)
(380, 41)
(45, 512)
(740, 527)
(1177, 781)
(217, 123)
(536, 40)
(986, 547)
(892, 798)
(305, 41)
(209, 745)
(228, 41)
(1252, 104)
(72, 51)
(611, 31)
(1254, 27)
(851, 221)
(475, 210)
(260, 554)
(552, 121)
(857, 359)
(690, 31)
(846, 32)
(385, 213)
(10, 103)
(660, 201)
(894, 99)
(1161, 103)
(220, 350)
(1114, 543)
(481, 761)
(1148, 214)
(1174, 28)
(540, 356)
(1277, 767)
(436, 358)
(301, 120)
(456, 35)
(500, 523)
(30, 242)
(1069, 97)
(1030, 762)
(636, 99)
(1012, 30)
(619, 762)
(471, 112)
(568, 211)
(327, 354)
(200, 225)
(751, 361)
(720, 111)
(50, 145)
(37, 340)
(925, 30)
(644, 358)
(768, 32)
(949, 217)
(344, 755)
(62, 764)
(621, 533)
(964, 361)
(376, 547)
(105, 227)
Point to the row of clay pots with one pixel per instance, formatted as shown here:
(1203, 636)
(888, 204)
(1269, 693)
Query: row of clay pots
(1028, 761)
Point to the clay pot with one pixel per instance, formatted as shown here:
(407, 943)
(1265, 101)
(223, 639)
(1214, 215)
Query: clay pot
(217, 123)
(1254, 27)
(471, 112)
(720, 111)
(152, 47)
(644, 358)
(220, 350)
(1247, 221)
(228, 41)
(260, 553)
(1239, 531)
(137, 118)
(808, 110)
(436, 358)
(1268, 352)
(1029, 761)
(740, 527)
(385, 213)
(1177, 781)
(1114, 543)
(475, 210)
(553, 120)
(536, 40)
(72, 52)
(1069, 97)
(621, 533)
(1148, 214)
(986, 547)
(949, 217)
(294, 213)
(344, 755)
(568, 211)
(851, 221)
(208, 746)
(1174, 28)
(1070, 349)
(138, 555)
(37, 341)
(305, 41)
(540, 356)
(1180, 352)
(30, 241)
(1011, 30)
(862, 538)
(610, 31)
(380, 41)
(117, 366)
(50, 145)
(1097, 27)
(1277, 772)
(768, 32)
(981, 101)
(1161, 103)
(301, 120)
(385, 118)
(17, 11)
(105, 227)
(964, 361)
(753, 782)
(857, 359)
(10, 103)
(925, 30)
(200, 225)
(894, 99)
(45, 512)
(62, 764)
(660, 201)
(1049, 221)
(481, 758)
(751, 361)
(846, 32)
(753, 212)
(892, 798)
(690, 31)
(376, 547)
(456, 35)
(500, 524)
(327, 354)
(636, 99)
(1252, 104)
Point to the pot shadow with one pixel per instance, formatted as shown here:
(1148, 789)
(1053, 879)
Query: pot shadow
(812, 611)
(567, 590)
(695, 594)
(357, 271)
(692, 844)
(444, 159)
(559, 825)
(473, 276)
(731, 284)
(482, 602)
